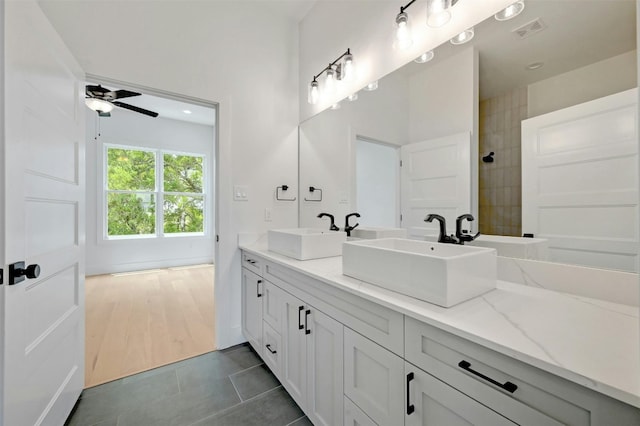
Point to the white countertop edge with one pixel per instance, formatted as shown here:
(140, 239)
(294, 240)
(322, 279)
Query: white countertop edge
(397, 301)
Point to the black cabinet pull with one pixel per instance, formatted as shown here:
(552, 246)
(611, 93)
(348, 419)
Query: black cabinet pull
(251, 261)
(306, 322)
(508, 386)
(300, 309)
(410, 407)
(258, 288)
(271, 350)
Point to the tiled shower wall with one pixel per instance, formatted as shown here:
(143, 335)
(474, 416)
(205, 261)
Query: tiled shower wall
(500, 181)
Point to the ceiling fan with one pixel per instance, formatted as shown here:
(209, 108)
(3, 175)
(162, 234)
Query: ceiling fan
(102, 100)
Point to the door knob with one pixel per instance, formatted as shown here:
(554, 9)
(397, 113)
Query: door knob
(18, 272)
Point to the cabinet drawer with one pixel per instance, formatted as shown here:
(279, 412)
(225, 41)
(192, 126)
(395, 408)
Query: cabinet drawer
(252, 263)
(272, 305)
(373, 379)
(272, 349)
(454, 361)
(354, 416)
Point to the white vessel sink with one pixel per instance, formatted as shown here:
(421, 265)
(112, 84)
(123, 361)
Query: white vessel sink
(306, 243)
(522, 248)
(443, 274)
(374, 233)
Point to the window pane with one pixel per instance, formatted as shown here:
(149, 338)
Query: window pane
(131, 170)
(182, 173)
(183, 214)
(131, 214)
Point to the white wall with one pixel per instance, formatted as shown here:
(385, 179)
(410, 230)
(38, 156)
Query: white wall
(584, 84)
(367, 28)
(236, 53)
(129, 128)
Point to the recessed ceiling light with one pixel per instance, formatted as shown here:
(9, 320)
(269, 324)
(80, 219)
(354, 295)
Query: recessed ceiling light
(353, 97)
(425, 57)
(535, 65)
(510, 11)
(336, 106)
(371, 86)
(463, 37)
(186, 111)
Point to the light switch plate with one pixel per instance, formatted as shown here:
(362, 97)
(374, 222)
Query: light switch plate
(240, 192)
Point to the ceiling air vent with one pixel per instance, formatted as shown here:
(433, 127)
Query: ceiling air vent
(529, 29)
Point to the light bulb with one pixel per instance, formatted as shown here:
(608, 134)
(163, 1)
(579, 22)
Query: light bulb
(425, 57)
(463, 37)
(353, 97)
(348, 68)
(98, 105)
(403, 32)
(438, 12)
(510, 11)
(314, 92)
(371, 86)
(330, 81)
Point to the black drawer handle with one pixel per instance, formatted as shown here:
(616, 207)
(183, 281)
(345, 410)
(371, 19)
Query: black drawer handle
(508, 386)
(306, 322)
(410, 407)
(271, 350)
(300, 309)
(258, 294)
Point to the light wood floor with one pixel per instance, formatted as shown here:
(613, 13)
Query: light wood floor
(142, 320)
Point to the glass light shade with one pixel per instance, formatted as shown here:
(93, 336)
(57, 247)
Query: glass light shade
(371, 86)
(330, 81)
(348, 68)
(403, 32)
(353, 97)
(438, 12)
(314, 92)
(463, 37)
(425, 57)
(98, 105)
(510, 11)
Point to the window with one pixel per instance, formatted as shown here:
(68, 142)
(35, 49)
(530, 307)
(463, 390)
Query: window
(138, 181)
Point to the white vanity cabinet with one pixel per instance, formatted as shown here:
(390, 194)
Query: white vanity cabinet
(252, 291)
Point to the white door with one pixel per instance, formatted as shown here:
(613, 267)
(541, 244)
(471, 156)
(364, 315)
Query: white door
(435, 178)
(580, 182)
(42, 319)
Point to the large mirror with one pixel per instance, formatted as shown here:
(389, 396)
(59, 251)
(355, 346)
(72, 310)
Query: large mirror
(531, 127)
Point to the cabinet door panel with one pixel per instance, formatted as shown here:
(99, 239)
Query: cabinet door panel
(272, 306)
(325, 369)
(354, 416)
(436, 403)
(252, 288)
(272, 349)
(294, 372)
(374, 379)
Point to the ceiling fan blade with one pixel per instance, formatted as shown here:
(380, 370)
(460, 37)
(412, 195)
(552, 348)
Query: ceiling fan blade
(136, 109)
(119, 94)
(103, 114)
(95, 91)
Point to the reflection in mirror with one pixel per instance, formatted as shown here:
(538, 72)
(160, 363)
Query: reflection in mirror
(551, 93)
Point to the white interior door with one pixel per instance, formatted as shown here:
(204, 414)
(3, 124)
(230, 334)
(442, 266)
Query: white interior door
(435, 178)
(580, 182)
(43, 173)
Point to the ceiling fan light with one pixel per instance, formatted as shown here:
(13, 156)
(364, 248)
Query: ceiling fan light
(98, 105)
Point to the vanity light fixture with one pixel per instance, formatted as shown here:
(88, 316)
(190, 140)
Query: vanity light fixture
(353, 97)
(510, 11)
(98, 105)
(341, 69)
(403, 39)
(463, 37)
(371, 86)
(425, 57)
(438, 12)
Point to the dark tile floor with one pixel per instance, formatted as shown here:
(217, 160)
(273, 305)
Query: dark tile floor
(228, 387)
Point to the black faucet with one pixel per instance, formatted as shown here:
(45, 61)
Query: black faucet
(333, 226)
(347, 227)
(462, 235)
(442, 237)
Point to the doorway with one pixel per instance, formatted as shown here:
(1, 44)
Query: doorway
(150, 232)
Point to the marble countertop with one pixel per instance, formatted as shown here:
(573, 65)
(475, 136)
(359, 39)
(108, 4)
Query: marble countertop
(590, 342)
